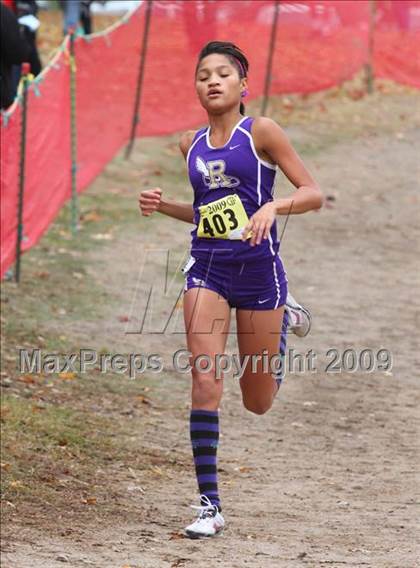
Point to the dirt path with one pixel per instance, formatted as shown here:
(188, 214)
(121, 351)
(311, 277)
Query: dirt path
(328, 476)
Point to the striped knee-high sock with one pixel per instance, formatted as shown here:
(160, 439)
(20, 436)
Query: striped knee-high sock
(204, 431)
(282, 349)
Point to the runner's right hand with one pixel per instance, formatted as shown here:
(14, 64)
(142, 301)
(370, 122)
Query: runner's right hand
(149, 201)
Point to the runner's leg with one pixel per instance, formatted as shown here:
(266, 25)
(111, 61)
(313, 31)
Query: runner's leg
(259, 334)
(207, 318)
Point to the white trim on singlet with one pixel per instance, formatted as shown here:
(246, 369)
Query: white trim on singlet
(270, 240)
(251, 142)
(192, 146)
(276, 280)
(230, 137)
(259, 183)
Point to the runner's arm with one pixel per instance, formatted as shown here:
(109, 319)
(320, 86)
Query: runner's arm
(177, 210)
(271, 141)
(152, 200)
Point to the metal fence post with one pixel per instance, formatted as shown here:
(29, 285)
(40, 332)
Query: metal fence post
(136, 117)
(268, 73)
(73, 137)
(369, 70)
(25, 82)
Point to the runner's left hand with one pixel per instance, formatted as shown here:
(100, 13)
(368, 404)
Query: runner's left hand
(260, 224)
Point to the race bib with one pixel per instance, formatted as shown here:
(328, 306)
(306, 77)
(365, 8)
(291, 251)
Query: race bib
(224, 218)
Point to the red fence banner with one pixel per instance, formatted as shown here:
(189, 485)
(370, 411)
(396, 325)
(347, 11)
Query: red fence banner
(47, 172)
(103, 110)
(397, 41)
(9, 186)
(106, 75)
(318, 44)
(178, 31)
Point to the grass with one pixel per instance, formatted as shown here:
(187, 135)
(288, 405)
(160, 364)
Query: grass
(58, 430)
(63, 436)
(48, 447)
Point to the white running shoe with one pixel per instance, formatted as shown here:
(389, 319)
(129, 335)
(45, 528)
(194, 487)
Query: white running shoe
(300, 320)
(209, 522)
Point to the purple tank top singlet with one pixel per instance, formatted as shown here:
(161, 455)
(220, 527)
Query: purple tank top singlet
(234, 168)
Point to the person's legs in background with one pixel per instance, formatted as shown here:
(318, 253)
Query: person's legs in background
(71, 11)
(86, 16)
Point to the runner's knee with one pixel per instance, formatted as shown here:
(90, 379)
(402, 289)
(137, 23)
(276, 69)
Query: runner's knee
(205, 387)
(257, 406)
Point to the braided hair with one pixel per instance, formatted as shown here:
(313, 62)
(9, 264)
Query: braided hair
(233, 53)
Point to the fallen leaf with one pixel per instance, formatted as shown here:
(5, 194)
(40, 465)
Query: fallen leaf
(287, 103)
(143, 399)
(16, 484)
(176, 536)
(123, 318)
(102, 237)
(27, 379)
(89, 501)
(43, 274)
(92, 216)
(67, 376)
(356, 94)
(135, 488)
(243, 469)
(5, 410)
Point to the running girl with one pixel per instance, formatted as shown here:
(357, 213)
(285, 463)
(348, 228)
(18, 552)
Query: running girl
(234, 258)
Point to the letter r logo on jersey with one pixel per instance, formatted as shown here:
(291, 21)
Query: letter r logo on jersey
(214, 175)
(218, 178)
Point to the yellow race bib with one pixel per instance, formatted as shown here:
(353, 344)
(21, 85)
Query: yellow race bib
(224, 218)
